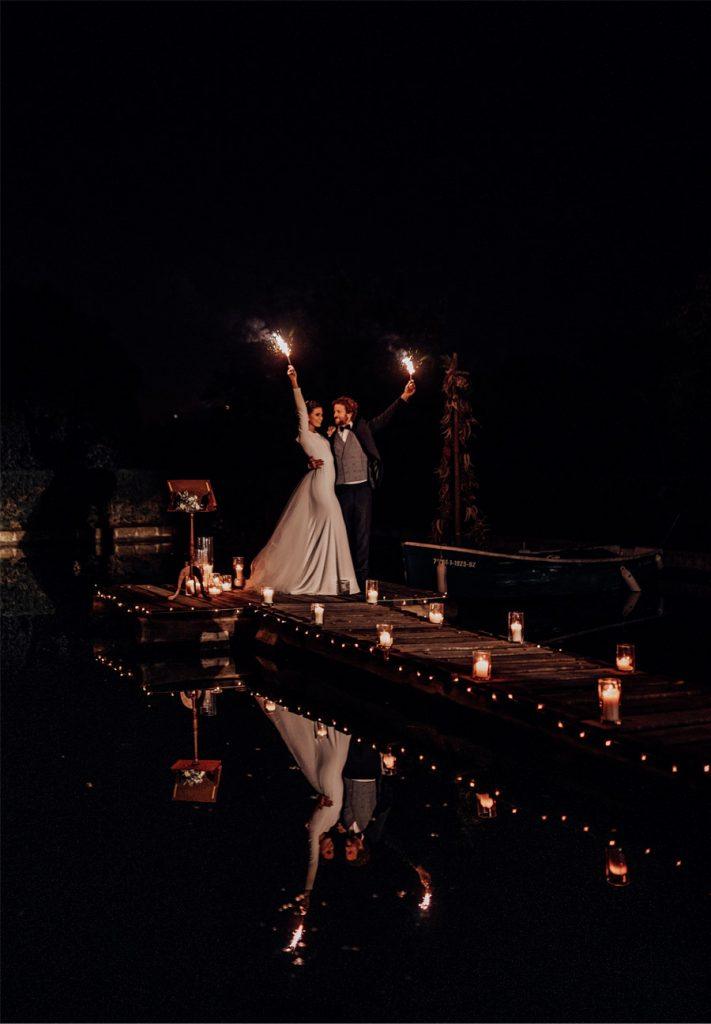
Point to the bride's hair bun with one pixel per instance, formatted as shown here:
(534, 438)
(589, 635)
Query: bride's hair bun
(313, 404)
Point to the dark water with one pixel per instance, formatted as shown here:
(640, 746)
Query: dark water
(121, 904)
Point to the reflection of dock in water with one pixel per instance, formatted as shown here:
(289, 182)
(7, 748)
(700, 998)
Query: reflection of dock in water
(665, 728)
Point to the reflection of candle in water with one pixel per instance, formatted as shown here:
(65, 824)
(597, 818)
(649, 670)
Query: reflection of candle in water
(482, 665)
(616, 869)
(609, 690)
(318, 610)
(385, 638)
(517, 632)
(268, 595)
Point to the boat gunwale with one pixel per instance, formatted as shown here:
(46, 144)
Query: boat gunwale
(635, 553)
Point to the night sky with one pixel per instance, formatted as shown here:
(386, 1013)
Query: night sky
(526, 184)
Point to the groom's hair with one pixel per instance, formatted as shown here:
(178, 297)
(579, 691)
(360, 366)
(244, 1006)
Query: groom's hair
(350, 404)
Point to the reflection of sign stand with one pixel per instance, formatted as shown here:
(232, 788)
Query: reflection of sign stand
(196, 781)
(191, 496)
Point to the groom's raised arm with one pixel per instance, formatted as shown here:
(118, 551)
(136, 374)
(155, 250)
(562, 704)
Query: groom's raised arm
(378, 422)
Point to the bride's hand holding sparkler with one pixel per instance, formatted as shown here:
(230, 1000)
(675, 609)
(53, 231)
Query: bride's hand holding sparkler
(291, 370)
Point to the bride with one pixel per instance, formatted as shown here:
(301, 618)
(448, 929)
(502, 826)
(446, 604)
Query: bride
(308, 552)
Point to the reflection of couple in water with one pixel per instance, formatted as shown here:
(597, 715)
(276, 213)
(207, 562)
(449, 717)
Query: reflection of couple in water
(354, 796)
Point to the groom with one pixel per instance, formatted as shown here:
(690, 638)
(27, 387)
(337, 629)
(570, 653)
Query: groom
(358, 471)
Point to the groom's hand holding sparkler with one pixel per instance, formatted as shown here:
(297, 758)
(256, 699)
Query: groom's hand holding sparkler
(409, 391)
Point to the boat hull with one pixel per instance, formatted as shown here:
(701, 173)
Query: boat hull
(469, 572)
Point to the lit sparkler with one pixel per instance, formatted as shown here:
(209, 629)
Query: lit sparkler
(407, 361)
(279, 345)
(426, 900)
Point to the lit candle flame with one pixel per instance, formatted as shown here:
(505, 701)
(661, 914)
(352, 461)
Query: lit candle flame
(408, 364)
(279, 345)
(426, 900)
(296, 937)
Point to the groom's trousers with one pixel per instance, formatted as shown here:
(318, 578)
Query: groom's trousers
(356, 502)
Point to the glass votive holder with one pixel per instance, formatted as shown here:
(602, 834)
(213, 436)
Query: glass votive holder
(616, 870)
(624, 659)
(268, 595)
(208, 706)
(270, 706)
(317, 611)
(238, 571)
(190, 586)
(344, 588)
(371, 591)
(385, 635)
(485, 806)
(516, 627)
(481, 665)
(320, 730)
(388, 763)
(205, 551)
(436, 612)
(609, 693)
(226, 582)
(215, 585)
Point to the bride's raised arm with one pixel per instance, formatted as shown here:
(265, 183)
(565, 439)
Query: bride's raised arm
(300, 406)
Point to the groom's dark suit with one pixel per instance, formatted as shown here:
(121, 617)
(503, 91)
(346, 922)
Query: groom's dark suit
(358, 472)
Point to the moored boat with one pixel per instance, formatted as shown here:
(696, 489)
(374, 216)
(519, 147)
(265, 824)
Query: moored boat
(470, 572)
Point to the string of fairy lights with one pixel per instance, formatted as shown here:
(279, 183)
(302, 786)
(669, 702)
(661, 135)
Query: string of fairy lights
(478, 692)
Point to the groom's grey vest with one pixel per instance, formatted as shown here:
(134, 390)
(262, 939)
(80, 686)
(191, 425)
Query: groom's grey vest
(351, 460)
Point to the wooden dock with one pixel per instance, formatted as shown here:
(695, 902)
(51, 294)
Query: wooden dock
(666, 723)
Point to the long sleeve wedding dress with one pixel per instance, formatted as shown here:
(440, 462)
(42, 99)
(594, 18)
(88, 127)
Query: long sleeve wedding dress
(308, 552)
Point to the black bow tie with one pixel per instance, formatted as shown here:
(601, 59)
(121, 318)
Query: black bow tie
(348, 426)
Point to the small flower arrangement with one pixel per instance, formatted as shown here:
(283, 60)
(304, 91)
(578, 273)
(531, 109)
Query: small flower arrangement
(187, 502)
(192, 776)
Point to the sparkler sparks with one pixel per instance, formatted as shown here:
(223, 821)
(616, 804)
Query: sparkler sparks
(426, 900)
(279, 345)
(408, 362)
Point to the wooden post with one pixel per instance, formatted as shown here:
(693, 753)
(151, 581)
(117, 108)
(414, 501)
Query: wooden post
(457, 497)
(195, 727)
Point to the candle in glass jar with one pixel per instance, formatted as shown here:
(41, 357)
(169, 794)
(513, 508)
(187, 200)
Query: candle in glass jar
(214, 589)
(516, 627)
(371, 596)
(482, 665)
(625, 658)
(226, 583)
(609, 692)
(269, 706)
(389, 761)
(321, 730)
(238, 569)
(317, 611)
(385, 635)
(268, 595)
(436, 613)
(190, 586)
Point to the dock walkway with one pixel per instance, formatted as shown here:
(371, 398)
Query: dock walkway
(665, 723)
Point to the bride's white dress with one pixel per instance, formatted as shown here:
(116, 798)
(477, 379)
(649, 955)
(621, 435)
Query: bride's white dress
(321, 759)
(308, 552)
